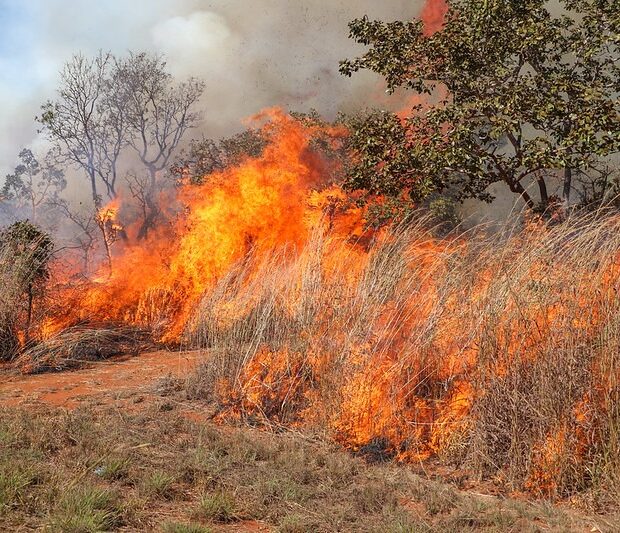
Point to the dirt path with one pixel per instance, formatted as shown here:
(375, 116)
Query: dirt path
(119, 377)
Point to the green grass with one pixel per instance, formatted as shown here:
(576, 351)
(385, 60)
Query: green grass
(13, 482)
(158, 484)
(114, 469)
(217, 507)
(178, 527)
(86, 509)
(92, 470)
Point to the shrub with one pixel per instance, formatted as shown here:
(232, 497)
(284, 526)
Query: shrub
(24, 254)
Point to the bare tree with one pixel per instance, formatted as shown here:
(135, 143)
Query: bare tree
(158, 113)
(85, 239)
(107, 104)
(84, 122)
(32, 184)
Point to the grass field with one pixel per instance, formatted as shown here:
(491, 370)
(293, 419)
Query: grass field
(153, 470)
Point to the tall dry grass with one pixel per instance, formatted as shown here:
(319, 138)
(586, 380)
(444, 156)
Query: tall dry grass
(497, 351)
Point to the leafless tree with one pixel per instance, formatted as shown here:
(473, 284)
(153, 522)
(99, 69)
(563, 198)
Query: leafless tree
(106, 105)
(86, 237)
(158, 113)
(84, 121)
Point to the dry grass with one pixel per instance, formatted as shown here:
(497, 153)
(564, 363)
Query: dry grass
(75, 346)
(497, 352)
(181, 477)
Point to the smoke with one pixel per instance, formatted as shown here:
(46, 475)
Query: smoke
(251, 55)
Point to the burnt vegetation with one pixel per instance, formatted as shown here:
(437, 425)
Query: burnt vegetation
(324, 271)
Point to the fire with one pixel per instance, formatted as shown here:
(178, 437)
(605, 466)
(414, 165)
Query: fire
(376, 337)
(263, 204)
(433, 15)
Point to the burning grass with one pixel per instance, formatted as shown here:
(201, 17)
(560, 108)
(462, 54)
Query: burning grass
(496, 351)
(499, 352)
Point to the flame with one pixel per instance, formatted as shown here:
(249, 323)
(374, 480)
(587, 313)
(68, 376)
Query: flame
(108, 214)
(274, 200)
(433, 15)
(397, 360)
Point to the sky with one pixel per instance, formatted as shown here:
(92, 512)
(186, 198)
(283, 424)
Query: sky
(251, 54)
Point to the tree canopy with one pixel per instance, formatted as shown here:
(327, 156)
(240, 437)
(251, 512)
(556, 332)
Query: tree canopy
(33, 184)
(525, 95)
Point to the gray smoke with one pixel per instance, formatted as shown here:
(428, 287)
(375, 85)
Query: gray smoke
(251, 54)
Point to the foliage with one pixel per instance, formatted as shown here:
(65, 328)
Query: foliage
(526, 95)
(329, 139)
(206, 156)
(33, 184)
(30, 249)
(25, 251)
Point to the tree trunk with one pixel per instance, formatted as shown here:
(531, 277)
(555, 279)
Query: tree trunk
(568, 178)
(93, 186)
(516, 187)
(544, 196)
(152, 209)
(106, 244)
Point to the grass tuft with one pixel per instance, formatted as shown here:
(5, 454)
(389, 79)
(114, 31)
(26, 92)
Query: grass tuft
(87, 509)
(219, 506)
(178, 527)
(158, 484)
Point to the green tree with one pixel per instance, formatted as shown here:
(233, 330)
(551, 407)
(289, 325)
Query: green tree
(530, 96)
(32, 184)
(25, 251)
(205, 156)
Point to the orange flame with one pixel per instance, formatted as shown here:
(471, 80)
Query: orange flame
(401, 365)
(433, 15)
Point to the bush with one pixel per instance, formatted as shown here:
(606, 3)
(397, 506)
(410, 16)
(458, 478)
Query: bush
(24, 254)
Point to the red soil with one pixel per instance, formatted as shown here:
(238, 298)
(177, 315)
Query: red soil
(119, 377)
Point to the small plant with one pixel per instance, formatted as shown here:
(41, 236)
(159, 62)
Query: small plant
(177, 527)
(440, 500)
(86, 510)
(218, 507)
(13, 481)
(113, 469)
(443, 210)
(281, 488)
(295, 523)
(158, 484)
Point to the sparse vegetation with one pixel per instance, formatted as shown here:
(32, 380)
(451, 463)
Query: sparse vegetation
(53, 463)
(217, 507)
